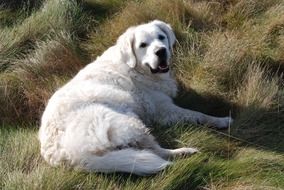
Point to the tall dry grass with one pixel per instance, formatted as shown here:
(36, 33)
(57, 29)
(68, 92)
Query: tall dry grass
(228, 59)
(182, 15)
(37, 56)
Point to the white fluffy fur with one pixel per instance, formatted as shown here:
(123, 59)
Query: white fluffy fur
(98, 120)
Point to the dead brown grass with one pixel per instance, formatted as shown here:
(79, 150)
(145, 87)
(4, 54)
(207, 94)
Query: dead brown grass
(30, 82)
(181, 15)
(229, 54)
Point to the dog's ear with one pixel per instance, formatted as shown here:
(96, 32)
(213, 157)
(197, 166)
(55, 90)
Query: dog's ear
(167, 29)
(126, 44)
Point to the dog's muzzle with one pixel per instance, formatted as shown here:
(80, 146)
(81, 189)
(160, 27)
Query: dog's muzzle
(163, 66)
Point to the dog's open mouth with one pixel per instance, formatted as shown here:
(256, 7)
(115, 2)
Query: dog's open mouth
(162, 68)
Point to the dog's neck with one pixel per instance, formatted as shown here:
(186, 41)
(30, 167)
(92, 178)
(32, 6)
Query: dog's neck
(161, 82)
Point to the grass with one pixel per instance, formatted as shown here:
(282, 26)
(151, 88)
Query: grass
(222, 166)
(229, 59)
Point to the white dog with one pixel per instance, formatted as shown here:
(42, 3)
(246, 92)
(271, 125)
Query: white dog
(97, 121)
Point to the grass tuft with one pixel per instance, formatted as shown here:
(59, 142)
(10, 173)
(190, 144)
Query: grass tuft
(228, 59)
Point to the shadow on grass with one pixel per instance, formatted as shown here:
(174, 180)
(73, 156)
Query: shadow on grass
(20, 4)
(102, 9)
(253, 126)
(209, 104)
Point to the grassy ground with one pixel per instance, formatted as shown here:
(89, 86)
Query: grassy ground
(229, 59)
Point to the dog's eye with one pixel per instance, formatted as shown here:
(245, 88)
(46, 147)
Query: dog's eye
(143, 45)
(161, 37)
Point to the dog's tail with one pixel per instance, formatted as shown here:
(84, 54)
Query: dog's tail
(140, 162)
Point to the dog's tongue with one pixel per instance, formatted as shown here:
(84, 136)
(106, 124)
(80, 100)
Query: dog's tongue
(164, 66)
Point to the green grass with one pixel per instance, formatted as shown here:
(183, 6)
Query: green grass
(221, 164)
(229, 59)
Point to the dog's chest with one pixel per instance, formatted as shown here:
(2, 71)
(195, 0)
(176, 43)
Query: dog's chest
(146, 105)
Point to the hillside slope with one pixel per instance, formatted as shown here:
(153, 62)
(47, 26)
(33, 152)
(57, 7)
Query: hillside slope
(228, 59)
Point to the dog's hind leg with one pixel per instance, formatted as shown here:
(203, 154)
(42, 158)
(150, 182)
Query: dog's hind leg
(148, 142)
(128, 131)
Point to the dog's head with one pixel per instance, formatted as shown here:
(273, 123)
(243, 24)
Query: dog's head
(148, 46)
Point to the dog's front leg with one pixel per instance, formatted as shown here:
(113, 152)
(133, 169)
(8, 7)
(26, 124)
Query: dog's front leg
(170, 114)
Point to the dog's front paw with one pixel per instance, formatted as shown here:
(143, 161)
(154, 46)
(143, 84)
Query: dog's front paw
(224, 122)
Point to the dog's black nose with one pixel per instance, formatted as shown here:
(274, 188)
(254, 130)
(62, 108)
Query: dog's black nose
(161, 52)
